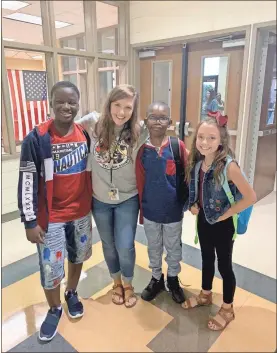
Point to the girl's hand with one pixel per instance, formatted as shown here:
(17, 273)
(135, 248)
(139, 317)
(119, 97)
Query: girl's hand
(221, 218)
(194, 209)
(248, 194)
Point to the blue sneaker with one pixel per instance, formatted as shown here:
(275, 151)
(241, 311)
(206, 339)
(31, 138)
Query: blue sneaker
(49, 326)
(75, 307)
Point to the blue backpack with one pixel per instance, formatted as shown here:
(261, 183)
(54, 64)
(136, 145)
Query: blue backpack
(240, 220)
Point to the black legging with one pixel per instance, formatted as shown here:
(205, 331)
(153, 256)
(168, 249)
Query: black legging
(217, 237)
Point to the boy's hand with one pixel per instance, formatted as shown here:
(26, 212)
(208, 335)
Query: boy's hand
(35, 235)
(194, 209)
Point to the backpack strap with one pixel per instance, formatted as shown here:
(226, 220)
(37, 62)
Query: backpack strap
(175, 148)
(181, 187)
(88, 139)
(227, 190)
(225, 183)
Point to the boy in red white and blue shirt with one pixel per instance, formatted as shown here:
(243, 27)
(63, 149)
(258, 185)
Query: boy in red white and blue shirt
(54, 199)
(161, 212)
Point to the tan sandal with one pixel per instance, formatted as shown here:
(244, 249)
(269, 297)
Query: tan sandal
(118, 295)
(200, 300)
(127, 298)
(227, 315)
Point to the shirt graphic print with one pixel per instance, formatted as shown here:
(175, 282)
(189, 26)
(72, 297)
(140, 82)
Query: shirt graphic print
(69, 158)
(119, 151)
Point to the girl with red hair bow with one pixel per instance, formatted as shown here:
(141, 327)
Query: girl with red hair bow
(210, 159)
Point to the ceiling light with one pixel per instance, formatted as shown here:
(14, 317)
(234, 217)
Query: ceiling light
(220, 39)
(37, 57)
(59, 24)
(110, 37)
(9, 39)
(33, 19)
(13, 5)
(233, 43)
(108, 51)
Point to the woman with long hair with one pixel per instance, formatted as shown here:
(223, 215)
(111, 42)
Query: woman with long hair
(116, 138)
(211, 104)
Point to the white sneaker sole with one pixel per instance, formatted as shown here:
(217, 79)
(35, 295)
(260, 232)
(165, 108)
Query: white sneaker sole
(76, 316)
(46, 339)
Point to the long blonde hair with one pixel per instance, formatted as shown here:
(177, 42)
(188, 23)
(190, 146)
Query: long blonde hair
(221, 154)
(104, 128)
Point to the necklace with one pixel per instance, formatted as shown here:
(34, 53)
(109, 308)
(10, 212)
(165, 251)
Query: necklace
(207, 166)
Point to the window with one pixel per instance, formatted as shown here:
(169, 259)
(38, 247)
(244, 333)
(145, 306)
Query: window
(108, 72)
(107, 28)
(71, 36)
(36, 57)
(73, 69)
(23, 25)
(271, 110)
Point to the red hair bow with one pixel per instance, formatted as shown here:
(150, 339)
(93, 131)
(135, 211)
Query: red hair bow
(221, 119)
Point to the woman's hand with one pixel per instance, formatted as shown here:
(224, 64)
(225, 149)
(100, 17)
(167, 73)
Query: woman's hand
(88, 121)
(194, 209)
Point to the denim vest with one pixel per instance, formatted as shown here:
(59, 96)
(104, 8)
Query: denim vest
(215, 201)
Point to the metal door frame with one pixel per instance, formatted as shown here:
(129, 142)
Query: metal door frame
(255, 102)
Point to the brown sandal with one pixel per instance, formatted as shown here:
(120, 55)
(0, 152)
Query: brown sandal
(130, 296)
(120, 296)
(201, 300)
(226, 317)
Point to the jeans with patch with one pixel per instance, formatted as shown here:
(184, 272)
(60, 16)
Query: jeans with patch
(75, 237)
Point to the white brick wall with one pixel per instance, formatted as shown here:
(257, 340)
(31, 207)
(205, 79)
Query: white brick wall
(154, 20)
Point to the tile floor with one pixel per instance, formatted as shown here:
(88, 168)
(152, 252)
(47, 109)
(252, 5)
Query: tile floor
(159, 326)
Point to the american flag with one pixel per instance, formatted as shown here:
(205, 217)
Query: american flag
(28, 92)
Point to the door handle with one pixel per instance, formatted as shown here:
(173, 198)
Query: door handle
(177, 129)
(262, 133)
(187, 128)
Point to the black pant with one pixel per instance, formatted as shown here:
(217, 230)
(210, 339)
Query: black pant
(217, 237)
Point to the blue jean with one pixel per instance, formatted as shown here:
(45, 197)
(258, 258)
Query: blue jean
(117, 224)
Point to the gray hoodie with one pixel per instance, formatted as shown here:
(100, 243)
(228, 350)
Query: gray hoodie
(123, 169)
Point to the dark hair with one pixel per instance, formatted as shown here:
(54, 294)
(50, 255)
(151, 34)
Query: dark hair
(212, 95)
(64, 84)
(159, 104)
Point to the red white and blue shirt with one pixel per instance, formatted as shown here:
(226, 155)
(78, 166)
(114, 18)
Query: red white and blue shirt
(156, 182)
(54, 185)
